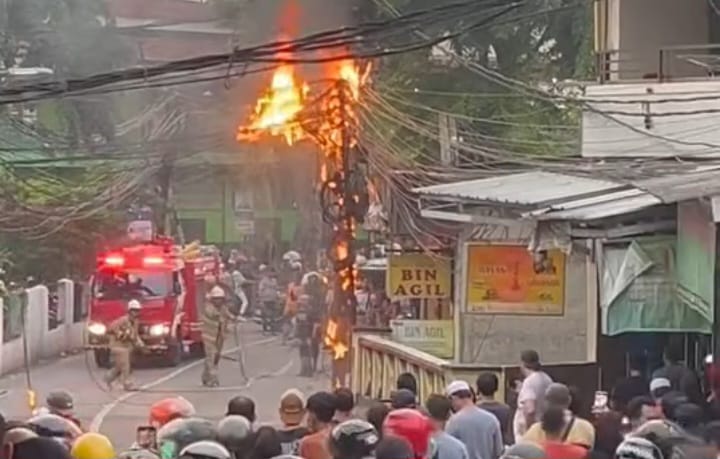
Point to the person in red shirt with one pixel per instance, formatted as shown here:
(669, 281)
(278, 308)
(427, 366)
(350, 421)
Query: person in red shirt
(320, 409)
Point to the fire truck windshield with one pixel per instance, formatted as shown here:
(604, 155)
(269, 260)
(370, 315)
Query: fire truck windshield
(119, 285)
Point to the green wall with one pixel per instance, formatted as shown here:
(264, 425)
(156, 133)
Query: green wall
(215, 207)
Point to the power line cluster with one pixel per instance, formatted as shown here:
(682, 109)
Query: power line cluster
(328, 46)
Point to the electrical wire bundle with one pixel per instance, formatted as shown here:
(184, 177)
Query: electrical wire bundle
(320, 47)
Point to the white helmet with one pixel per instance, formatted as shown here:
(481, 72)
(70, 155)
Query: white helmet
(206, 448)
(217, 292)
(134, 305)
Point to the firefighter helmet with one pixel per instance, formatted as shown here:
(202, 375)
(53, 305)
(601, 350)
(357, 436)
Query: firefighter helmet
(168, 409)
(353, 439)
(234, 432)
(177, 434)
(92, 445)
(206, 449)
(134, 305)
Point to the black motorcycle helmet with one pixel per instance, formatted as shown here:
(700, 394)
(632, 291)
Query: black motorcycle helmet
(235, 433)
(179, 433)
(353, 439)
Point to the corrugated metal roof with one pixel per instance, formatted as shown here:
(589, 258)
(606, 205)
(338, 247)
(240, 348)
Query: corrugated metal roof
(605, 206)
(679, 187)
(528, 188)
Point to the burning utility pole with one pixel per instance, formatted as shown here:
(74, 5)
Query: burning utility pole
(333, 126)
(343, 194)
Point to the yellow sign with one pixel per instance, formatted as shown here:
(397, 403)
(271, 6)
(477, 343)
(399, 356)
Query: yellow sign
(418, 276)
(506, 279)
(436, 337)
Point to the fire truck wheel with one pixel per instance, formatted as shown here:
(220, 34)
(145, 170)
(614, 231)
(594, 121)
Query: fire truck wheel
(174, 354)
(102, 358)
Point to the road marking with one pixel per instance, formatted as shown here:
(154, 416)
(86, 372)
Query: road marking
(107, 408)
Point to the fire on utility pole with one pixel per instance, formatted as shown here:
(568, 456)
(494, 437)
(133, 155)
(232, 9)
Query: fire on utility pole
(345, 201)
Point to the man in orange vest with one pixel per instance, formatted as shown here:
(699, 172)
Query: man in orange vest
(294, 291)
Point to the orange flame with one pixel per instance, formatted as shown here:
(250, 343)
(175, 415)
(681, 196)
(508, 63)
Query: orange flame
(276, 112)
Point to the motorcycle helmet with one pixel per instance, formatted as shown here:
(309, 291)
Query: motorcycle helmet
(92, 446)
(177, 434)
(413, 426)
(168, 409)
(55, 426)
(205, 449)
(353, 439)
(234, 432)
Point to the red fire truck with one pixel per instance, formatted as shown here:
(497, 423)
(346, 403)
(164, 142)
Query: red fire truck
(168, 282)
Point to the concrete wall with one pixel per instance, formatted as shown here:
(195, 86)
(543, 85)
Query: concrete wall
(621, 129)
(499, 339)
(41, 343)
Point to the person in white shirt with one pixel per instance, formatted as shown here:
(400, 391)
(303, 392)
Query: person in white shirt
(531, 396)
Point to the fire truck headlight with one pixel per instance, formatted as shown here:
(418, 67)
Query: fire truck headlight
(159, 330)
(97, 329)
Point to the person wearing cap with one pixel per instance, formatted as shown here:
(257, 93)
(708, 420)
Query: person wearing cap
(292, 413)
(61, 402)
(476, 428)
(659, 387)
(403, 398)
(681, 377)
(124, 337)
(531, 395)
(215, 317)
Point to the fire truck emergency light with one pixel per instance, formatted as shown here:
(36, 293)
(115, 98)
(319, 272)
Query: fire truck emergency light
(114, 260)
(153, 261)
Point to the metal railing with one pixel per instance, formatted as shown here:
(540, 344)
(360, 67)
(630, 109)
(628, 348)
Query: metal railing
(693, 62)
(378, 361)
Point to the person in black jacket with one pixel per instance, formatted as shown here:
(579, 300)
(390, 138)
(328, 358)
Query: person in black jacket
(681, 378)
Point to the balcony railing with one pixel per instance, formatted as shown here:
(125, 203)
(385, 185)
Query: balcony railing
(671, 63)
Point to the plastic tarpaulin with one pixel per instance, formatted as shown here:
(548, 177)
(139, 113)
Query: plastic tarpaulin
(639, 290)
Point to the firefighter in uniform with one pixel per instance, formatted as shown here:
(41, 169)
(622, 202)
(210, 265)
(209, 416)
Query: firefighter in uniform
(306, 331)
(124, 337)
(214, 324)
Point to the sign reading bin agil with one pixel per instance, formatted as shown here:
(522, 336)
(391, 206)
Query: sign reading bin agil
(435, 337)
(418, 276)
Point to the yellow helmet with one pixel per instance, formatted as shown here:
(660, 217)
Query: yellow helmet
(92, 446)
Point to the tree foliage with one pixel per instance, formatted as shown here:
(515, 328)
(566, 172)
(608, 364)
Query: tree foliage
(525, 45)
(74, 38)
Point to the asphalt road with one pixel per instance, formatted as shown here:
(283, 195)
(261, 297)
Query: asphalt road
(271, 368)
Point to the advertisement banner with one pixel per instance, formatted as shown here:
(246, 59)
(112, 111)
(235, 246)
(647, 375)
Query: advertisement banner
(418, 276)
(436, 337)
(508, 279)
